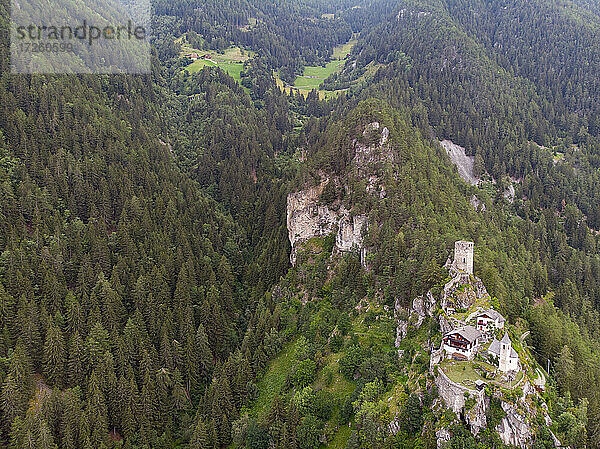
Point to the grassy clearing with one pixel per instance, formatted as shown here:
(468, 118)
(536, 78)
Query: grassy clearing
(331, 379)
(232, 54)
(273, 381)
(486, 366)
(464, 373)
(323, 94)
(312, 77)
(341, 51)
(340, 440)
(461, 372)
(231, 61)
(336, 384)
(379, 333)
(233, 69)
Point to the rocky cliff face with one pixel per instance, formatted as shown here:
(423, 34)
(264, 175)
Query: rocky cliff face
(422, 307)
(452, 394)
(307, 218)
(349, 233)
(463, 162)
(513, 429)
(456, 296)
(455, 396)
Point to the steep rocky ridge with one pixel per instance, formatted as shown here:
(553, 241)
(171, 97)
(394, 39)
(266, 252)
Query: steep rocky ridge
(518, 425)
(308, 216)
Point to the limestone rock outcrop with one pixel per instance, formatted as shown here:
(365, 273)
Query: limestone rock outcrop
(477, 204)
(422, 307)
(401, 331)
(308, 218)
(462, 291)
(349, 235)
(510, 194)
(513, 429)
(476, 417)
(443, 436)
(464, 163)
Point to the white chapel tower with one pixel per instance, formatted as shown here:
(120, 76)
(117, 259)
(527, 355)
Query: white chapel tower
(506, 349)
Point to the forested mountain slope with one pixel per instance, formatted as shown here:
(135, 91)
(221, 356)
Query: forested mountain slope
(500, 79)
(348, 317)
(130, 268)
(228, 145)
(120, 280)
(146, 295)
(287, 34)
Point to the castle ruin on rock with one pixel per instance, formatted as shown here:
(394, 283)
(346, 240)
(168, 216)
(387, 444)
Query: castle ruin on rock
(463, 256)
(476, 360)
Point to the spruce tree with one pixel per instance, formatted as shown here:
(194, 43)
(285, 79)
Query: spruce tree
(54, 355)
(13, 401)
(76, 361)
(200, 438)
(179, 395)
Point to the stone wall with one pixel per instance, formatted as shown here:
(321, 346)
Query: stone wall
(454, 396)
(452, 393)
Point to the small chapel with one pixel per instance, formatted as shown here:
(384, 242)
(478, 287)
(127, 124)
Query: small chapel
(508, 359)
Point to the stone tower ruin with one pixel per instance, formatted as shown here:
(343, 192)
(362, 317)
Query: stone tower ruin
(463, 256)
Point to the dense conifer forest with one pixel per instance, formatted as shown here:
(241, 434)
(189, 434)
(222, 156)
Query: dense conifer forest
(147, 298)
